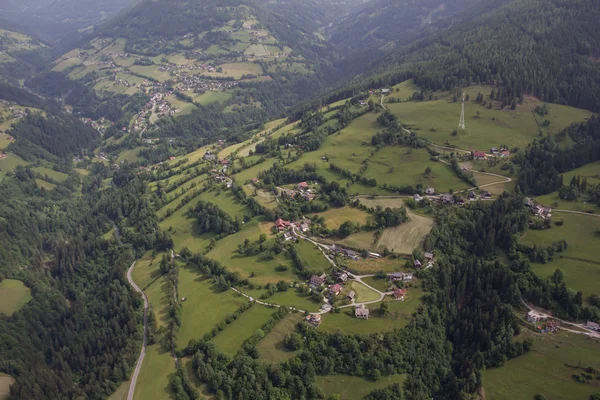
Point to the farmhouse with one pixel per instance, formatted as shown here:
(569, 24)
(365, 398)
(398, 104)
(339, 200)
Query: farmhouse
(351, 295)
(429, 256)
(472, 195)
(302, 186)
(314, 319)
(282, 225)
(385, 91)
(533, 316)
(430, 191)
(307, 196)
(361, 312)
(593, 326)
(210, 157)
(486, 195)
(479, 155)
(335, 289)
(343, 277)
(399, 294)
(447, 199)
(340, 250)
(504, 153)
(316, 281)
(223, 161)
(289, 236)
(401, 276)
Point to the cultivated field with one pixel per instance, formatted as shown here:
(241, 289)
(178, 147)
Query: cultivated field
(544, 370)
(335, 217)
(14, 295)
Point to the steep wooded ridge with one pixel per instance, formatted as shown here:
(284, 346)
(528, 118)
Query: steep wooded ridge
(547, 49)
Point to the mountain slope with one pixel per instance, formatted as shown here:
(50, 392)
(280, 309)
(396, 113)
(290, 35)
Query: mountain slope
(20, 54)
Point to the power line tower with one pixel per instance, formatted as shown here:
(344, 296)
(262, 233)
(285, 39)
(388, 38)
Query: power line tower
(461, 123)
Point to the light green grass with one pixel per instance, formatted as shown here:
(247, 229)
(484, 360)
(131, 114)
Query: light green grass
(544, 371)
(378, 283)
(204, 306)
(271, 348)
(212, 97)
(291, 298)
(312, 256)
(158, 295)
(14, 295)
(59, 176)
(335, 217)
(252, 172)
(404, 90)
(409, 169)
(354, 387)
(226, 201)
(154, 380)
(493, 127)
(45, 185)
(151, 71)
(363, 293)
(230, 339)
(264, 270)
(146, 270)
(11, 162)
(580, 263)
(130, 155)
(236, 70)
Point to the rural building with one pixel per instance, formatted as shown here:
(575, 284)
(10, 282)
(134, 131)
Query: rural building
(172, 158)
(385, 91)
(486, 195)
(281, 224)
(479, 155)
(459, 201)
(593, 326)
(316, 281)
(340, 250)
(472, 195)
(210, 157)
(417, 197)
(304, 227)
(534, 316)
(289, 236)
(447, 199)
(374, 255)
(314, 319)
(399, 294)
(429, 256)
(302, 186)
(504, 153)
(494, 150)
(307, 196)
(430, 191)
(401, 276)
(351, 295)
(343, 277)
(326, 307)
(335, 289)
(223, 161)
(361, 312)
(417, 264)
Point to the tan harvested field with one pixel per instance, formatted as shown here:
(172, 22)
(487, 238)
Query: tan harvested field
(335, 217)
(406, 237)
(372, 265)
(5, 382)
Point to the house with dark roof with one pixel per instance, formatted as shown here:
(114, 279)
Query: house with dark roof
(428, 256)
(417, 263)
(447, 199)
(401, 276)
(486, 195)
(593, 326)
(472, 195)
(417, 197)
(351, 295)
(316, 280)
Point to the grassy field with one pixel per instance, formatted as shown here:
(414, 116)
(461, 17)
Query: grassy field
(335, 217)
(363, 293)
(46, 185)
(212, 97)
(581, 261)
(378, 283)
(146, 270)
(264, 270)
(14, 295)
(400, 313)
(354, 387)
(59, 176)
(271, 348)
(121, 392)
(252, 172)
(11, 162)
(236, 70)
(483, 130)
(184, 230)
(158, 296)
(291, 298)
(153, 381)
(226, 201)
(5, 382)
(230, 339)
(204, 304)
(313, 256)
(544, 371)
(374, 265)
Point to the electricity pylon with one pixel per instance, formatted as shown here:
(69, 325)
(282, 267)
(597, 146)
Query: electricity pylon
(461, 123)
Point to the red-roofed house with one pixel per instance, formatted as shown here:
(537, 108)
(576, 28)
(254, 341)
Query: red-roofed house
(281, 224)
(303, 186)
(335, 289)
(479, 155)
(399, 294)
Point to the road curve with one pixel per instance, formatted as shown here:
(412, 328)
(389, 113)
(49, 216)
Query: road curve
(140, 360)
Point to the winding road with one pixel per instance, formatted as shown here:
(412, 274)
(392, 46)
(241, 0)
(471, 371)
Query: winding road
(140, 360)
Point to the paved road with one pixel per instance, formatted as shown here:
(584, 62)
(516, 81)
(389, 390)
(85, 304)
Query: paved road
(140, 360)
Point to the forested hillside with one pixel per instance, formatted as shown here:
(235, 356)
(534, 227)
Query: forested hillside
(546, 49)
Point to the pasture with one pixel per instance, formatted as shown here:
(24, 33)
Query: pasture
(14, 295)
(146, 270)
(374, 265)
(354, 387)
(237, 70)
(291, 298)
(205, 305)
(271, 348)
(363, 293)
(312, 256)
(154, 379)
(58, 176)
(334, 217)
(381, 284)
(230, 339)
(544, 369)
(436, 119)
(264, 270)
(45, 185)
(580, 262)
(212, 97)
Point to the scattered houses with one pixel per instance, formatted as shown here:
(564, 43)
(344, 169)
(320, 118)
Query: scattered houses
(535, 317)
(342, 277)
(208, 156)
(593, 326)
(282, 225)
(399, 294)
(538, 210)
(335, 289)
(303, 186)
(361, 312)
(335, 249)
(317, 280)
(289, 236)
(428, 256)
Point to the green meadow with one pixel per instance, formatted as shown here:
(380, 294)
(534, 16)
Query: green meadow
(354, 387)
(271, 348)
(14, 295)
(545, 369)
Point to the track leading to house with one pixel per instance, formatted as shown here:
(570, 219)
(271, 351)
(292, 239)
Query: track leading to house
(140, 360)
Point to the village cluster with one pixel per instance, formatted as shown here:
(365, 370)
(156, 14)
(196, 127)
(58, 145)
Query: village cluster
(451, 199)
